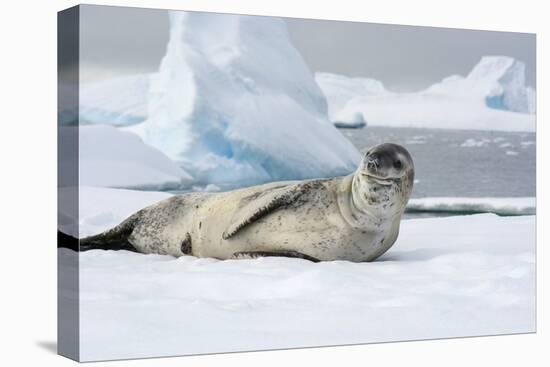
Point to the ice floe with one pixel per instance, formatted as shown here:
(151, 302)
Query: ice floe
(445, 277)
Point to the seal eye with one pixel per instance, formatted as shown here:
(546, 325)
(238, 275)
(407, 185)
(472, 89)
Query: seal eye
(397, 164)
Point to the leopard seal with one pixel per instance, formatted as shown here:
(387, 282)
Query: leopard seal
(354, 217)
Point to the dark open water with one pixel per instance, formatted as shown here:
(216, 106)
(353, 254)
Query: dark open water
(461, 162)
(458, 163)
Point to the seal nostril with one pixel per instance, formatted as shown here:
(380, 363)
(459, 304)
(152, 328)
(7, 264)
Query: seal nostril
(373, 160)
(372, 163)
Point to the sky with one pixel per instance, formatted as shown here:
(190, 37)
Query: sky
(119, 40)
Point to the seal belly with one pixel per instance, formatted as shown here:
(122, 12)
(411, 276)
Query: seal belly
(282, 228)
(312, 229)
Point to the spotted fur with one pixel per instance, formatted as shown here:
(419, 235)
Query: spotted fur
(354, 217)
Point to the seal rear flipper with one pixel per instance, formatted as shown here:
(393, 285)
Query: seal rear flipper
(98, 242)
(106, 242)
(283, 253)
(66, 241)
(256, 206)
(115, 238)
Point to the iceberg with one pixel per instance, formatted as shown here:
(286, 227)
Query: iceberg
(119, 101)
(67, 113)
(354, 120)
(234, 102)
(340, 89)
(109, 157)
(499, 81)
(531, 100)
(492, 97)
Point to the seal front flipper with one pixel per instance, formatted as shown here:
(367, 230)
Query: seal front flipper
(254, 207)
(284, 253)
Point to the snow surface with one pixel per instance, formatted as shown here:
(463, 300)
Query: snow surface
(501, 206)
(445, 277)
(101, 208)
(114, 158)
(492, 97)
(234, 101)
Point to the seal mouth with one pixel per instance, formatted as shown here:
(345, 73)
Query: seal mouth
(380, 180)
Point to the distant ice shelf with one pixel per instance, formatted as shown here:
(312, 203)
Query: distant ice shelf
(461, 205)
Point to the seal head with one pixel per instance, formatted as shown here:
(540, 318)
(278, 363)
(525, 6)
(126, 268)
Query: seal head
(383, 182)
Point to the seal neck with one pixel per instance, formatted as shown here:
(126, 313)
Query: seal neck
(359, 211)
(353, 209)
